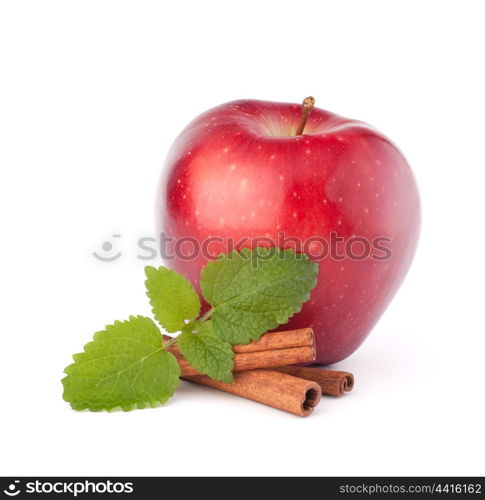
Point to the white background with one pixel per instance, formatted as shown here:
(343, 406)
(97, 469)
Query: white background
(92, 94)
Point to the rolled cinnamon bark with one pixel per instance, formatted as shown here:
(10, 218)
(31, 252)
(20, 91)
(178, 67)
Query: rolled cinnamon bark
(278, 340)
(261, 359)
(332, 382)
(273, 388)
(271, 350)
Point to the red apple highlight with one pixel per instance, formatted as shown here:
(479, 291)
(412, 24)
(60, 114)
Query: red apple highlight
(239, 175)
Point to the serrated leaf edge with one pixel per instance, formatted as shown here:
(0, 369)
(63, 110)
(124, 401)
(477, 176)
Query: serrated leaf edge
(136, 405)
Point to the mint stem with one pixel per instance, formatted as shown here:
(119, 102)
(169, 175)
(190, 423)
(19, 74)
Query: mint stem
(170, 343)
(207, 315)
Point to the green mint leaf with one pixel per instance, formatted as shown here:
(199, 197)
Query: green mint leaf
(254, 291)
(207, 353)
(125, 366)
(172, 297)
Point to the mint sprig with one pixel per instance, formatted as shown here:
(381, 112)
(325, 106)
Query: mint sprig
(254, 291)
(125, 366)
(207, 353)
(128, 366)
(173, 299)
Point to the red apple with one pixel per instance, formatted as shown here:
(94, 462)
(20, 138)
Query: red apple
(239, 171)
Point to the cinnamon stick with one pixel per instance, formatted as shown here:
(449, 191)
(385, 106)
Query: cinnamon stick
(272, 350)
(279, 340)
(332, 382)
(261, 359)
(270, 387)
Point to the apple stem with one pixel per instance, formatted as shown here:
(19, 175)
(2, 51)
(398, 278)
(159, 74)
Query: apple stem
(308, 104)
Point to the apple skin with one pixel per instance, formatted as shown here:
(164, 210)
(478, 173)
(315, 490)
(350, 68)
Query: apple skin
(239, 171)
